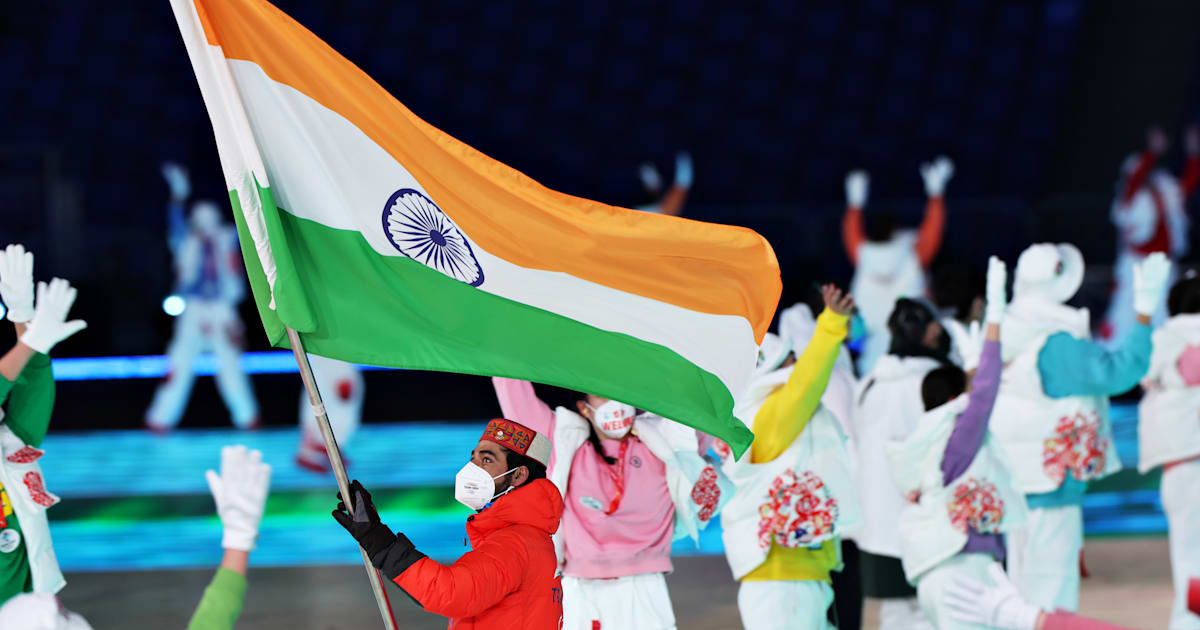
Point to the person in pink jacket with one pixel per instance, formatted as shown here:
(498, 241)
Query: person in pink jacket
(627, 478)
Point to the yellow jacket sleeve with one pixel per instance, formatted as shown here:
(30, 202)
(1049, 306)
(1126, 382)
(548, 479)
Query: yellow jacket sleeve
(787, 411)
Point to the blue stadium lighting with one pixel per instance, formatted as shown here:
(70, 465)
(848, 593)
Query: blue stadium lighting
(174, 305)
(157, 366)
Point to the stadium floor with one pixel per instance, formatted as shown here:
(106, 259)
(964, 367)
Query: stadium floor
(1130, 585)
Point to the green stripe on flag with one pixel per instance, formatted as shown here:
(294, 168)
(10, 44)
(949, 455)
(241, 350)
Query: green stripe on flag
(393, 311)
(258, 280)
(291, 306)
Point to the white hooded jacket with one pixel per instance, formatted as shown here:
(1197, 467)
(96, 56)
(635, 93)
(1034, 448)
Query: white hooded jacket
(934, 522)
(888, 406)
(885, 273)
(1169, 413)
(802, 498)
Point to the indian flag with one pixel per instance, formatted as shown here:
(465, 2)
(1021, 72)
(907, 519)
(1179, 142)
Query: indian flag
(385, 241)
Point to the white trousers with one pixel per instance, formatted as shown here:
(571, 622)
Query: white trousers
(204, 325)
(902, 613)
(342, 389)
(1181, 502)
(1044, 557)
(633, 602)
(931, 588)
(785, 605)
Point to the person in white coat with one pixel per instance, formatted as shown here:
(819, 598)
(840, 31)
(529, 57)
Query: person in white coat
(798, 324)
(888, 405)
(961, 501)
(890, 263)
(795, 494)
(1150, 214)
(670, 203)
(342, 390)
(1052, 412)
(209, 279)
(27, 560)
(1169, 436)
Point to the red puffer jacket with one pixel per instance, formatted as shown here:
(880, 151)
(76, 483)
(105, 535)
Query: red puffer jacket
(507, 579)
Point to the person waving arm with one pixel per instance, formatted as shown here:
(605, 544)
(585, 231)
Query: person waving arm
(787, 411)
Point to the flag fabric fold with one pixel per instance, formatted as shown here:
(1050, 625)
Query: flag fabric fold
(383, 240)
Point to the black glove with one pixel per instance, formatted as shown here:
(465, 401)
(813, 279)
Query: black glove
(390, 553)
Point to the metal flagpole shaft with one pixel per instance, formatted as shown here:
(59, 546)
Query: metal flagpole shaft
(339, 470)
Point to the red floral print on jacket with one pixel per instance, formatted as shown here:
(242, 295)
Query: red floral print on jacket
(706, 494)
(798, 513)
(976, 504)
(1075, 447)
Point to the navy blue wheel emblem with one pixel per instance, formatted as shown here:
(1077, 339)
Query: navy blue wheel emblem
(420, 230)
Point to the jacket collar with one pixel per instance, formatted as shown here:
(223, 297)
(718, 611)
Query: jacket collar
(537, 504)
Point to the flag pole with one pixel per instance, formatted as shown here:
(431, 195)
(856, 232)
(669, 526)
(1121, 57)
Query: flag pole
(339, 469)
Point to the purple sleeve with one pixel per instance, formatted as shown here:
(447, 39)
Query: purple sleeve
(1066, 621)
(971, 426)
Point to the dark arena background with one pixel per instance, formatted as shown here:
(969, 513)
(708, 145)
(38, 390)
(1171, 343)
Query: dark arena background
(1037, 102)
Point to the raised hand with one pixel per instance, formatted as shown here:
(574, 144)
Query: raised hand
(16, 283)
(968, 340)
(683, 169)
(240, 492)
(1150, 278)
(49, 324)
(836, 301)
(858, 184)
(936, 174)
(177, 180)
(651, 180)
(997, 298)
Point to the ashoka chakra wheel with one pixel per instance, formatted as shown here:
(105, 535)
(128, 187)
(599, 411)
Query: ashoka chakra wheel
(420, 230)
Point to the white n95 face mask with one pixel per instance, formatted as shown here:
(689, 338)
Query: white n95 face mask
(474, 487)
(613, 419)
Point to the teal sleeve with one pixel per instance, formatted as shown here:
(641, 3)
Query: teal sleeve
(222, 602)
(1069, 493)
(30, 401)
(1078, 367)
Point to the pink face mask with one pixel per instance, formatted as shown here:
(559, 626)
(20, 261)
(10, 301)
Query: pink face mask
(613, 419)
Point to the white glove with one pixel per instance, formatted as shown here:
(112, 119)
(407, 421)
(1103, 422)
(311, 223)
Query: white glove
(177, 180)
(49, 324)
(999, 606)
(683, 170)
(16, 283)
(997, 298)
(1150, 279)
(240, 492)
(857, 184)
(936, 174)
(651, 180)
(968, 341)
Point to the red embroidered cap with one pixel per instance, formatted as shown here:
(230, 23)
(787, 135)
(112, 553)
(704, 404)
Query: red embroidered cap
(519, 438)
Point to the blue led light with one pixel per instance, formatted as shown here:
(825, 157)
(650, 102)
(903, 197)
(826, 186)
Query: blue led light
(174, 305)
(157, 366)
